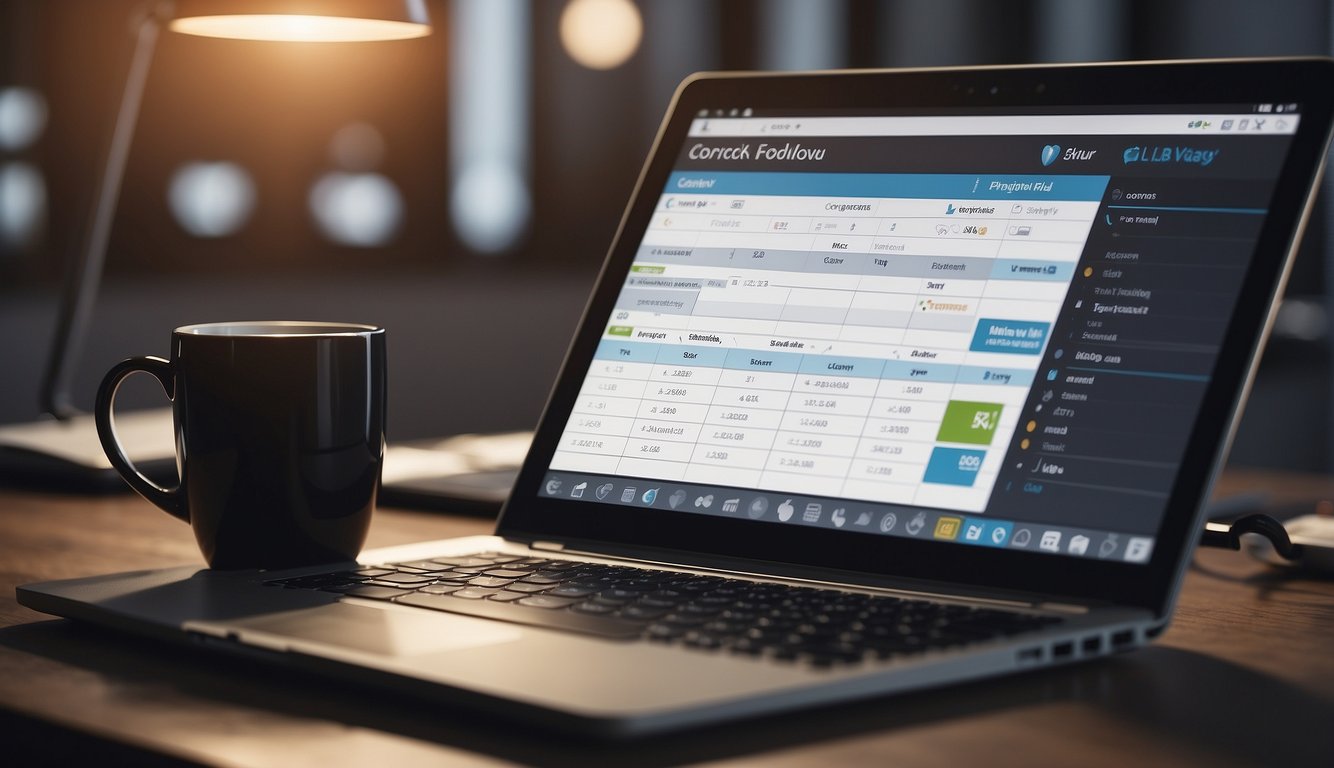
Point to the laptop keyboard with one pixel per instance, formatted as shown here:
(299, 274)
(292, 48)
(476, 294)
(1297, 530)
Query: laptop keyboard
(823, 627)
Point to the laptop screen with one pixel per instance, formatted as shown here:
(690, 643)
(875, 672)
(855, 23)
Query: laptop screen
(993, 329)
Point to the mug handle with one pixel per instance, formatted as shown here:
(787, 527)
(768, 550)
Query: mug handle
(169, 499)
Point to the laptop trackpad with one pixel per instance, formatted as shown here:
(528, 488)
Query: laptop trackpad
(381, 631)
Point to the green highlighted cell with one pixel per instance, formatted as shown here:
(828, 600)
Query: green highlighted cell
(969, 422)
(620, 330)
(647, 269)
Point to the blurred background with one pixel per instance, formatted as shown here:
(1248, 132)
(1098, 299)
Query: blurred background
(461, 189)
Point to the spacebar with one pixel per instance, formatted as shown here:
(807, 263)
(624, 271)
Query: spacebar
(552, 618)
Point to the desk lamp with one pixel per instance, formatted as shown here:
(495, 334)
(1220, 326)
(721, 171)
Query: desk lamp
(64, 451)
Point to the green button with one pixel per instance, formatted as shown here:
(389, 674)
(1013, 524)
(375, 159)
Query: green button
(620, 330)
(969, 422)
(648, 270)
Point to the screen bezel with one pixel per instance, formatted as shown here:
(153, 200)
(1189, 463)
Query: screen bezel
(588, 525)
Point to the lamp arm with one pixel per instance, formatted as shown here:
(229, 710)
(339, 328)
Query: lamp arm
(84, 271)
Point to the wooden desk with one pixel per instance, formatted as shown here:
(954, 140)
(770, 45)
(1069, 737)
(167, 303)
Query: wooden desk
(1245, 676)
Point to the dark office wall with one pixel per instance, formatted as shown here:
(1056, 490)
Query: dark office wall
(275, 109)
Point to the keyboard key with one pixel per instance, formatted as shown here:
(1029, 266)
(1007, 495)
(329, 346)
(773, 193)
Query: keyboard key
(405, 578)
(464, 561)
(638, 586)
(546, 601)
(317, 581)
(570, 590)
(599, 609)
(507, 596)
(680, 620)
(429, 566)
(665, 631)
(747, 647)
(506, 573)
(489, 581)
(638, 612)
(520, 586)
(342, 588)
(696, 609)
(376, 593)
(702, 640)
(474, 593)
(563, 565)
(440, 589)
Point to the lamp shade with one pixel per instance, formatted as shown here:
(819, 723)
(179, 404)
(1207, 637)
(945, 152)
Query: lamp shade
(315, 21)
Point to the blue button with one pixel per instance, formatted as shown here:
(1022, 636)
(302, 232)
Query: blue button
(997, 533)
(1017, 337)
(953, 466)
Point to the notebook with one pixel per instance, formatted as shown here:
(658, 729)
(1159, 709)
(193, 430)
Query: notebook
(891, 379)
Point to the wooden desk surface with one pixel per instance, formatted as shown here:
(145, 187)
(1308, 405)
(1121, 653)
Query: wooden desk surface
(1244, 676)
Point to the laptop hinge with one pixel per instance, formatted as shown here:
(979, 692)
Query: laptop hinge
(547, 546)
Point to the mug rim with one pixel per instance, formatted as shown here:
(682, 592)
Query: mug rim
(274, 329)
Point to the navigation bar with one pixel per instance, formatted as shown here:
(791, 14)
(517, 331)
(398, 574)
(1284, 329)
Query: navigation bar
(940, 186)
(1000, 125)
(840, 514)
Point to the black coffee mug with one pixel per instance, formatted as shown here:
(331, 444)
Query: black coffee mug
(279, 438)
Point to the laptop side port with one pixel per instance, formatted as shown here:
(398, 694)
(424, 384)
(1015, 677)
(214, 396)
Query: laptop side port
(1123, 640)
(1029, 655)
(1062, 650)
(1092, 645)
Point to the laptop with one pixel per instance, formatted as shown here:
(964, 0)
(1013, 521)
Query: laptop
(891, 379)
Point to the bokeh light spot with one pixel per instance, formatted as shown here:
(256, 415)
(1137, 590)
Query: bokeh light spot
(601, 34)
(211, 199)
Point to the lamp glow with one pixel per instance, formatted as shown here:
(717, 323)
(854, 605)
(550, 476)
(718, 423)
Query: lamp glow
(298, 28)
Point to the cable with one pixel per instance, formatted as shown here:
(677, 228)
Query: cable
(1228, 535)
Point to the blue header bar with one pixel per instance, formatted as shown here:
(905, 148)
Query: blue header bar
(627, 351)
(1030, 334)
(944, 186)
(762, 360)
(825, 365)
(709, 357)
